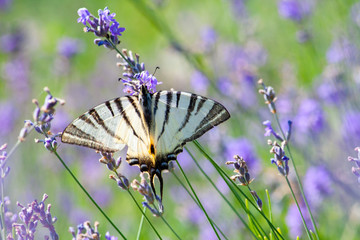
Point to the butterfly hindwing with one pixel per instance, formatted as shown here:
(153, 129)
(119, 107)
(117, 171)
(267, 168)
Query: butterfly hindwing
(108, 127)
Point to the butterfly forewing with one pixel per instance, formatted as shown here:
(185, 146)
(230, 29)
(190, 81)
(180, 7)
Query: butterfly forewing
(107, 127)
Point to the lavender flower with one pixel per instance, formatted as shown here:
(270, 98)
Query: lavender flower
(7, 120)
(355, 13)
(103, 26)
(199, 82)
(135, 74)
(295, 10)
(280, 159)
(42, 117)
(241, 170)
(310, 117)
(69, 47)
(269, 96)
(317, 185)
(244, 148)
(9, 217)
(351, 127)
(243, 175)
(145, 190)
(294, 221)
(356, 169)
(343, 50)
(5, 4)
(16, 73)
(31, 216)
(4, 170)
(87, 232)
(11, 43)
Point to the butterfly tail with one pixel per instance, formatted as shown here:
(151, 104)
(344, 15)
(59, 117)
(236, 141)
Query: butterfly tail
(157, 173)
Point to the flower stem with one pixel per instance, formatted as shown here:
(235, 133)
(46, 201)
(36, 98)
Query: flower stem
(226, 177)
(141, 223)
(143, 213)
(87, 194)
(297, 204)
(198, 200)
(193, 198)
(221, 194)
(298, 177)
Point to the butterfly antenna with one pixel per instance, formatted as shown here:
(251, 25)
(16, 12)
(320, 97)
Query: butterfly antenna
(155, 70)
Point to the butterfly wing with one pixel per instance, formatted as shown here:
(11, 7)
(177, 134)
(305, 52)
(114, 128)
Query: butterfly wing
(110, 126)
(183, 118)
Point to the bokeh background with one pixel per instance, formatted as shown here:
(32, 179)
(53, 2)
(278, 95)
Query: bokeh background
(307, 50)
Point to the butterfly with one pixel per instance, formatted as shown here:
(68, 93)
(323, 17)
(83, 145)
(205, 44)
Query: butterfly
(154, 126)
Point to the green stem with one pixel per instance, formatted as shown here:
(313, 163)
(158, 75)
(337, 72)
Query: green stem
(219, 192)
(297, 204)
(87, 194)
(198, 200)
(298, 177)
(141, 223)
(270, 210)
(147, 219)
(225, 176)
(162, 217)
(192, 197)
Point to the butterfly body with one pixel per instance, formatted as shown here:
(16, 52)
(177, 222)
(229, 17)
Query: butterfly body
(155, 127)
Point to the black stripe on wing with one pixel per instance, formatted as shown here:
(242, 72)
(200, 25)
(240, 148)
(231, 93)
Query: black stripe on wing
(73, 135)
(107, 104)
(92, 112)
(167, 111)
(190, 109)
(125, 117)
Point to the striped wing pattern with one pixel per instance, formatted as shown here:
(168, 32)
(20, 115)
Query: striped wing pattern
(108, 127)
(155, 127)
(182, 117)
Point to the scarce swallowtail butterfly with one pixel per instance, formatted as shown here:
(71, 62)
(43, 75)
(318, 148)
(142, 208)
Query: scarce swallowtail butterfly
(155, 127)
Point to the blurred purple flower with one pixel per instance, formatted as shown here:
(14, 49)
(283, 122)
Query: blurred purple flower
(294, 221)
(10, 217)
(5, 4)
(243, 148)
(17, 72)
(355, 13)
(239, 8)
(209, 37)
(332, 89)
(351, 127)
(343, 50)
(8, 118)
(295, 10)
(109, 237)
(317, 185)
(11, 43)
(310, 117)
(199, 82)
(356, 169)
(69, 47)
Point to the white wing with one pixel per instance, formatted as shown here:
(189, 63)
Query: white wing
(110, 126)
(182, 117)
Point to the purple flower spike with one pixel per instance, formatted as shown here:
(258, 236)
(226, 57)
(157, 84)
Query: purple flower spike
(280, 159)
(356, 170)
(84, 15)
(109, 237)
(105, 26)
(269, 130)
